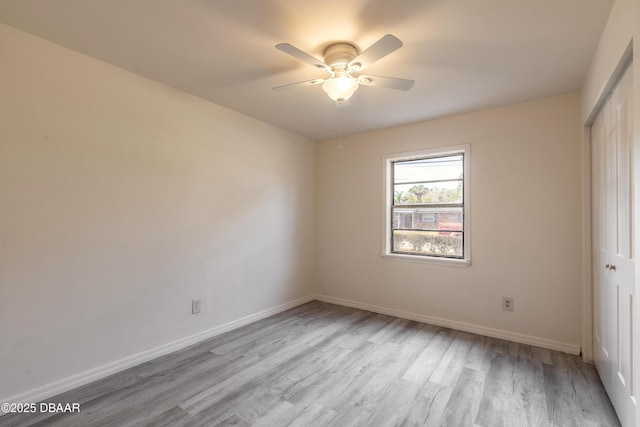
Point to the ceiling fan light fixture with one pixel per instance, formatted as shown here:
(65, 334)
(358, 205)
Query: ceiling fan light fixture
(343, 59)
(341, 87)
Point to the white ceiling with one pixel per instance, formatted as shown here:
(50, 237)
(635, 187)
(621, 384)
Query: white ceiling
(463, 54)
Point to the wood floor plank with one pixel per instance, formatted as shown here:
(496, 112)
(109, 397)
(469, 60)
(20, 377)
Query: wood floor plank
(430, 412)
(314, 415)
(527, 407)
(282, 414)
(424, 334)
(325, 365)
(233, 420)
(171, 418)
(321, 382)
(389, 331)
(583, 376)
(453, 361)
(513, 393)
(373, 389)
(462, 406)
(481, 355)
(351, 416)
(411, 404)
(541, 355)
(337, 394)
(422, 369)
(560, 393)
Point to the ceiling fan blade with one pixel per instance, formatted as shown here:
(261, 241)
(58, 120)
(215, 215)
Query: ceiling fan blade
(299, 84)
(302, 56)
(388, 82)
(376, 51)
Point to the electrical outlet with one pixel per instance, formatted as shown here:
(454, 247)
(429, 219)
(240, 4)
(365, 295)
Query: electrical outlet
(195, 306)
(507, 303)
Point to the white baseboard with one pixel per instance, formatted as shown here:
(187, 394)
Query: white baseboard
(52, 389)
(461, 326)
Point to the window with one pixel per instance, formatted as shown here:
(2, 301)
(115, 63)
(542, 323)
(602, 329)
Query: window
(428, 217)
(427, 206)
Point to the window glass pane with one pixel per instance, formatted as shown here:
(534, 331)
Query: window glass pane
(428, 218)
(431, 243)
(432, 169)
(436, 192)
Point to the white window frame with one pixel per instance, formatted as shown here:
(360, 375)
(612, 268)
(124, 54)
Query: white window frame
(388, 161)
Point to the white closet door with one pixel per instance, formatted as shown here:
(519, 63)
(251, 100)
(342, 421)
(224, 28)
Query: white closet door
(614, 257)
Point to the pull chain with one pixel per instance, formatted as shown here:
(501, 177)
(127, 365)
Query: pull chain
(340, 135)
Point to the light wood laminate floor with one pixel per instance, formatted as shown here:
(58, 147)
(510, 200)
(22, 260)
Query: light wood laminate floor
(325, 365)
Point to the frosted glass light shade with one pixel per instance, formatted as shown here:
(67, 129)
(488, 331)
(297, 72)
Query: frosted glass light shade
(340, 88)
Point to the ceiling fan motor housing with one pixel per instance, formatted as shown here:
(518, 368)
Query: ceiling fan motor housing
(339, 55)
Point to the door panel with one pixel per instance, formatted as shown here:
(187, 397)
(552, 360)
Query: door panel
(600, 176)
(613, 250)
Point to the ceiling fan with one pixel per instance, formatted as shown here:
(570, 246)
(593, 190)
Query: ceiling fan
(341, 61)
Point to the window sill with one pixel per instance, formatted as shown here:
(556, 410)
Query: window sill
(448, 262)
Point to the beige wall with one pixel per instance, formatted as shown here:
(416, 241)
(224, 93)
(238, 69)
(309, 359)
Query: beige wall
(121, 200)
(525, 221)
